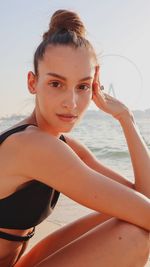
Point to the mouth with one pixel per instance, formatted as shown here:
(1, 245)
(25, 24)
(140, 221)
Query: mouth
(67, 117)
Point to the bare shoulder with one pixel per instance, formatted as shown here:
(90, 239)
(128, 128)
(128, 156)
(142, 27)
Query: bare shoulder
(34, 138)
(39, 154)
(30, 138)
(33, 142)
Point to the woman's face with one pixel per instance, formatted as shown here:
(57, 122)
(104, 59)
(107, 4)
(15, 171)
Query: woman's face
(63, 87)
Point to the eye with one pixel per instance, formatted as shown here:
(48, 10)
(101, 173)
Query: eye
(55, 84)
(84, 87)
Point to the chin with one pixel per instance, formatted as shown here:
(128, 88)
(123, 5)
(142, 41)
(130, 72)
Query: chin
(66, 129)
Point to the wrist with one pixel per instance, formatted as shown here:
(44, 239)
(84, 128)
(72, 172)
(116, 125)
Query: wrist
(125, 116)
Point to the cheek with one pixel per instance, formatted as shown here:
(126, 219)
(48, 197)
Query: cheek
(43, 100)
(89, 96)
(85, 100)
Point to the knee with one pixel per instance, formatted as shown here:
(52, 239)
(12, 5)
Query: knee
(134, 233)
(138, 238)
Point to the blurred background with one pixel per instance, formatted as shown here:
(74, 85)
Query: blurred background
(118, 30)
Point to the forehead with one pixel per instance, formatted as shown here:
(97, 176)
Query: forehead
(67, 61)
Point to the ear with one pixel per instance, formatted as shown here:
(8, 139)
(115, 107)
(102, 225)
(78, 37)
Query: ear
(32, 82)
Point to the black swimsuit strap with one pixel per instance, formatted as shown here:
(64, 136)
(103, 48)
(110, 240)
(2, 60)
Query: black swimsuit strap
(18, 238)
(19, 128)
(4, 135)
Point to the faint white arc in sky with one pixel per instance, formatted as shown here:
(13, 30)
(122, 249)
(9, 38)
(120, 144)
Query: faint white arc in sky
(131, 62)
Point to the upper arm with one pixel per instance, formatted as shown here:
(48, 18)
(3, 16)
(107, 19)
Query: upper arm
(49, 160)
(90, 160)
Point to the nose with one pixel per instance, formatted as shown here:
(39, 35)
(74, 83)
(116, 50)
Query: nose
(70, 100)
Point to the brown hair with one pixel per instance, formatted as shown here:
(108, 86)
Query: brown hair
(65, 28)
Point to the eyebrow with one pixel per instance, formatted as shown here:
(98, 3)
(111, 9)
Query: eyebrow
(64, 78)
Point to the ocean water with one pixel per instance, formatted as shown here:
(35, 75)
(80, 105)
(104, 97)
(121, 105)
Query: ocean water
(104, 137)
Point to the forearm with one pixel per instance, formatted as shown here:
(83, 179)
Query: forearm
(139, 153)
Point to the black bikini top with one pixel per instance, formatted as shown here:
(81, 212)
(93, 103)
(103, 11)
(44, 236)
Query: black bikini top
(31, 204)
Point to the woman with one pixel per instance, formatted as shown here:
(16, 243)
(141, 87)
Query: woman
(37, 162)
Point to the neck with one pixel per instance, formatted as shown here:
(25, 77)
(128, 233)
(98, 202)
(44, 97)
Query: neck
(37, 119)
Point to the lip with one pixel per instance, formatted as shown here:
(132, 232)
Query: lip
(67, 117)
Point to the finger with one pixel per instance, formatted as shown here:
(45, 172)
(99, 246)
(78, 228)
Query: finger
(111, 98)
(96, 89)
(97, 93)
(96, 81)
(108, 98)
(96, 76)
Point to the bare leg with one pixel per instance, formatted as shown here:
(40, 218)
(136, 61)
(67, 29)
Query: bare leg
(113, 243)
(60, 238)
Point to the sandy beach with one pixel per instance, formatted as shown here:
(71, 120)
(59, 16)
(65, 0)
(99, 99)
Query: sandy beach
(65, 212)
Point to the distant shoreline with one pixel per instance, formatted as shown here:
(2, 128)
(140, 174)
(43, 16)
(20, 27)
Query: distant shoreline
(137, 112)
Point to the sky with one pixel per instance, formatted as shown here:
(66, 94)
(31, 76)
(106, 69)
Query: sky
(118, 30)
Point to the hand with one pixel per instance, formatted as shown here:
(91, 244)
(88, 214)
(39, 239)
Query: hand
(106, 102)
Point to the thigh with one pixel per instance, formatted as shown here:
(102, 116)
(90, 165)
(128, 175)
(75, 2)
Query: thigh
(60, 238)
(112, 244)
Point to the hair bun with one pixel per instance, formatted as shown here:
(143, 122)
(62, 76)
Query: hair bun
(65, 20)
